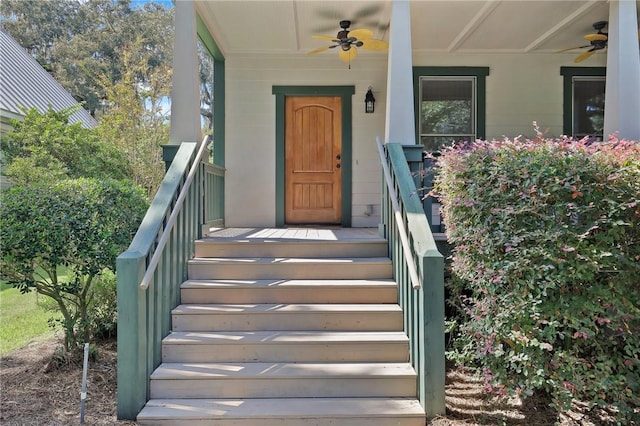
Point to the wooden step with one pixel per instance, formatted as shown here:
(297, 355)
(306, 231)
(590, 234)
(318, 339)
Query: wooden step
(256, 268)
(283, 412)
(215, 247)
(282, 380)
(246, 317)
(286, 346)
(289, 291)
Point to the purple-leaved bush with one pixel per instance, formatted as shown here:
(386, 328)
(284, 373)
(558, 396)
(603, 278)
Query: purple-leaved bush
(546, 266)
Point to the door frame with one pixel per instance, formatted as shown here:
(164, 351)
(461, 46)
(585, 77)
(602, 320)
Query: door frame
(345, 93)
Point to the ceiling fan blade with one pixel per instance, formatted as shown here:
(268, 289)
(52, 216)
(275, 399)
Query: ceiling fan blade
(375, 44)
(595, 37)
(584, 55)
(323, 37)
(573, 48)
(348, 55)
(319, 50)
(361, 34)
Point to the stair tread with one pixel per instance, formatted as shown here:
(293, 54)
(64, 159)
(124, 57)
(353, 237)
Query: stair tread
(280, 260)
(302, 234)
(346, 283)
(271, 370)
(283, 337)
(296, 408)
(271, 308)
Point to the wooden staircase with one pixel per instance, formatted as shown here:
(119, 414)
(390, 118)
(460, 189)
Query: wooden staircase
(286, 332)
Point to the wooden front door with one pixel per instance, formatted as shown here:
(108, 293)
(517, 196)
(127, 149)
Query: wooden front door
(313, 160)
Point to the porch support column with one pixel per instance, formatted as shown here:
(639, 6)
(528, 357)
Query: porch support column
(185, 91)
(622, 95)
(400, 121)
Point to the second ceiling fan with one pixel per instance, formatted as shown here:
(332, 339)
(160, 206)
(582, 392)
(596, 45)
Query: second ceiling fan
(349, 41)
(597, 41)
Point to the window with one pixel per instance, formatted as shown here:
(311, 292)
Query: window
(450, 107)
(583, 102)
(588, 107)
(447, 110)
(450, 104)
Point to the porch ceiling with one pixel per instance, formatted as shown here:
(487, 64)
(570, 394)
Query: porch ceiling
(287, 26)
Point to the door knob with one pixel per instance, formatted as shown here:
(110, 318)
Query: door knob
(338, 157)
(338, 166)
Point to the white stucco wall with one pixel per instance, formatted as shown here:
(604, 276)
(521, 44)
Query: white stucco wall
(521, 88)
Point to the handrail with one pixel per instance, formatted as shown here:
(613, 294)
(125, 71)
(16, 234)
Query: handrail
(404, 238)
(153, 263)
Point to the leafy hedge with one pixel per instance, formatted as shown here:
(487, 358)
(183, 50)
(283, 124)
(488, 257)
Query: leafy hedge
(546, 237)
(80, 225)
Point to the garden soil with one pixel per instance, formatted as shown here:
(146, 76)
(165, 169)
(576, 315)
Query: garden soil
(38, 388)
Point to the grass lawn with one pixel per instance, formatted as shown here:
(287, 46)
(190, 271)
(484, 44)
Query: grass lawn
(23, 319)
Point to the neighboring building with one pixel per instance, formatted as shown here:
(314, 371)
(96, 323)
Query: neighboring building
(24, 83)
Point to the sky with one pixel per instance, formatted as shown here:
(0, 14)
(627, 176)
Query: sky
(139, 3)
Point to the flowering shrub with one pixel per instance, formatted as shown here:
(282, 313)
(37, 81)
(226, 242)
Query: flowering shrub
(546, 237)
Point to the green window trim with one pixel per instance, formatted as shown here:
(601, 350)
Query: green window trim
(346, 93)
(568, 73)
(218, 90)
(480, 73)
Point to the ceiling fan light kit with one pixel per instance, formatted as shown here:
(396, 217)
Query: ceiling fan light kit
(349, 41)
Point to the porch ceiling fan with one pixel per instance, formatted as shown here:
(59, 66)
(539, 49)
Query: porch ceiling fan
(349, 41)
(597, 41)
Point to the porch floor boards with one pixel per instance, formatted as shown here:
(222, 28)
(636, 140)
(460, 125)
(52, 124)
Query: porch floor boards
(290, 234)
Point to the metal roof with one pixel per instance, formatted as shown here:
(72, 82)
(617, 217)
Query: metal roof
(24, 83)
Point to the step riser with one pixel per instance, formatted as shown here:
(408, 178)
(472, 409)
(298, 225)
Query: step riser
(290, 249)
(330, 321)
(280, 352)
(202, 269)
(291, 295)
(284, 411)
(283, 332)
(325, 421)
(285, 388)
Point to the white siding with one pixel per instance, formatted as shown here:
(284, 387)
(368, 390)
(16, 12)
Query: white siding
(521, 89)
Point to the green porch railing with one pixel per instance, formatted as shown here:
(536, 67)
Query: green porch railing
(422, 302)
(149, 273)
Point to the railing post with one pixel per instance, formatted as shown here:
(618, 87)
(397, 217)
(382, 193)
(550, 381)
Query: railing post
(133, 369)
(432, 353)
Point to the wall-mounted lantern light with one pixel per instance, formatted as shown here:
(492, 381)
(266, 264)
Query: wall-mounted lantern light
(369, 102)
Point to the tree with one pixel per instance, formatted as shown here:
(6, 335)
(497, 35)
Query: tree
(45, 147)
(134, 120)
(80, 41)
(80, 225)
(38, 25)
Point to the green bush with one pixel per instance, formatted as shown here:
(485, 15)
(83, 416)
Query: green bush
(546, 258)
(80, 225)
(44, 147)
(103, 310)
